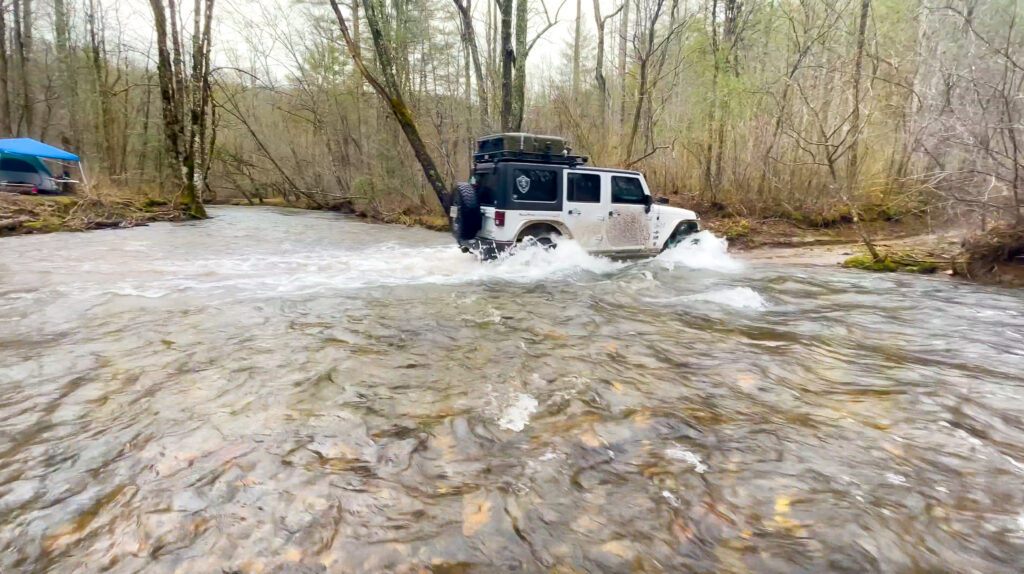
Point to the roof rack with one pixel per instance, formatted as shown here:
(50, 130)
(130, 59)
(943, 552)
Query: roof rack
(530, 157)
(525, 147)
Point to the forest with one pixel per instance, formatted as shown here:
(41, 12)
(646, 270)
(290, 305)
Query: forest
(812, 111)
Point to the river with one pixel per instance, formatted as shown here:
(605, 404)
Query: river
(275, 390)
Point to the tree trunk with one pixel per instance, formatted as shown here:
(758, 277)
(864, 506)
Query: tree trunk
(519, 84)
(65, 67)
(641, 97)
(602, 90)
(5, 102)
(145, 124)
(195, 160)
(388, 90)
(851, 175)
(710, 183)
(469, 38)
(576, 51)
(23, 44)
(623, 44)
(508, 57)
(489, 64)
(357, 78)
(179, 149)
(99, 63)
(179, 70)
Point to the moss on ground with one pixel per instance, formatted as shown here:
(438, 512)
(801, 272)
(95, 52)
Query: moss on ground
(891, 263)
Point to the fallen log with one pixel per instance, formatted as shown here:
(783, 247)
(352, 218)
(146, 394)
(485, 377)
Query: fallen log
(12, 224)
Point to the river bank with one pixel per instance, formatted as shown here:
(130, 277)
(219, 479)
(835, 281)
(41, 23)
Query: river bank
(30, 214)
(23, 214)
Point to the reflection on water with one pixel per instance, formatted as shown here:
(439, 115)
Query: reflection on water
(274, 390)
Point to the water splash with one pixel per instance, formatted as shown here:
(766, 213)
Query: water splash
(688, 457)
(517, 413)
(735, 297)
(702, 250)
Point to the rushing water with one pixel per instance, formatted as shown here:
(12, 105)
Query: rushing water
(282, 391)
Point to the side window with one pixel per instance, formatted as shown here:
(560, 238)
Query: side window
(535, 184)
(627, 190)
(583, 187)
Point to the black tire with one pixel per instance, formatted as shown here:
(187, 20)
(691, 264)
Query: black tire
(468, 219)
(540, 234)
(682, 231)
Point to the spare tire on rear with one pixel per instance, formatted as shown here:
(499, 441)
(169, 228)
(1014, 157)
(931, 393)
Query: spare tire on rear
(465, 215)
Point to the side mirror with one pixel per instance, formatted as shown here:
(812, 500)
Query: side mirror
(661, 200)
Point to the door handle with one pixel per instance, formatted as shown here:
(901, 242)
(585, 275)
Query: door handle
(613, 213)
(574, 212)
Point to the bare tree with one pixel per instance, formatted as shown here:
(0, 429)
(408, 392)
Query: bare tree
(647, 44)
(465, 9)
(5, 103)
(508, 57)
(623, 45)
(524, 46)
(602, 84)
(858, 69)
(389, 91)
(185, 138)
(23, 44)
(576, 37)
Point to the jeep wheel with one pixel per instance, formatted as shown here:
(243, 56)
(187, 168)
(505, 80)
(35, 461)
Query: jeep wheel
(540, 234)
(465, 216)
(682, 231)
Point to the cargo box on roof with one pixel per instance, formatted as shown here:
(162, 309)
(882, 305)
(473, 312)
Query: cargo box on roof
(519, 142)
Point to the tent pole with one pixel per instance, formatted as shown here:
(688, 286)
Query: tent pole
(81, 170)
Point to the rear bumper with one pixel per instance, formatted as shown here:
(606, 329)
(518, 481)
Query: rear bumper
(485, 249)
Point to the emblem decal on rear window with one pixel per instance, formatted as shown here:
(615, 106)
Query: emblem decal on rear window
(523, 183)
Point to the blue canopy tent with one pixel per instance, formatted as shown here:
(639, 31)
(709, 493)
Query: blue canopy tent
(21, 164)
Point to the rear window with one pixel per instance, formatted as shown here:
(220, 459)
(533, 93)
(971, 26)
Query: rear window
(534, 185)
(627, 190)
(485, 187)
(583, 187)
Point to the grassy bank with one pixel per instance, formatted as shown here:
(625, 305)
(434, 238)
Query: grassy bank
(89, 209)
(994, 257)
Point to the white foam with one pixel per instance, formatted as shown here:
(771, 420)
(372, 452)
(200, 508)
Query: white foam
(735, 297)
(688, 457)
(289, 270)
(529, 263)
(701, 250)
(517, 413)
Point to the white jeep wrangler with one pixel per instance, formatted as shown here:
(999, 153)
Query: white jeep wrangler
(525, 186)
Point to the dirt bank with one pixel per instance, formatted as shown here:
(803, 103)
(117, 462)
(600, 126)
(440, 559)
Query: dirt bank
(937, 246)
(947, 253)
(25, 214)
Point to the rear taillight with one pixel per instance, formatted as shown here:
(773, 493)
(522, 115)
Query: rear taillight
(499, 219)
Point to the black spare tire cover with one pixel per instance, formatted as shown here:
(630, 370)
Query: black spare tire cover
(465, 212)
